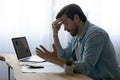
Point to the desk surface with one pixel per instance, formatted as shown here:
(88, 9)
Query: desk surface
(12, 61)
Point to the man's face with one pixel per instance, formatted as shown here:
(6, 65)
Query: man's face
(69, 25)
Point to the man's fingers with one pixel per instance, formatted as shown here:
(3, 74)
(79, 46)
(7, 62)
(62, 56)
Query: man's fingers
(40, 53)
(45, 50)
(39, 50)
(58, 21)
(56, 24)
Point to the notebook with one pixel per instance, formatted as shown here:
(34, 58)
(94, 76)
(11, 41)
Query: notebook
(23, 52)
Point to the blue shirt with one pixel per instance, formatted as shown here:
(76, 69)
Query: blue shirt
(98, 58)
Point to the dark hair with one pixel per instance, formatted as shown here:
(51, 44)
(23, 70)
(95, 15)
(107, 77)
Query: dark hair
(70, 10)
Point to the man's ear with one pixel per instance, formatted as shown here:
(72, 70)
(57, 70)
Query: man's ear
(76, 18)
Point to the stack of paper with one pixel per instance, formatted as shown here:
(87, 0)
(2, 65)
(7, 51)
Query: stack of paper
(48, 68)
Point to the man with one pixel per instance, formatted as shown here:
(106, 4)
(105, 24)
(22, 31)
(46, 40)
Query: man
(95, 56)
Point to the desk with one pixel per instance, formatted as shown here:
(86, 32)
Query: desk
(12, 61)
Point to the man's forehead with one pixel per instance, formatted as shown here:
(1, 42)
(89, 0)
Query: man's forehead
(63, 17)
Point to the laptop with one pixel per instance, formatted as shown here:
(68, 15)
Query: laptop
(23, 52)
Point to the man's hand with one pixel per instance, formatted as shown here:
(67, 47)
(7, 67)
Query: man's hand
(50, 56)
(56, 26)
(45, 54)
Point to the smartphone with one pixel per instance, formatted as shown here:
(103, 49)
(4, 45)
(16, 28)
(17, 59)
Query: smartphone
(35, 66)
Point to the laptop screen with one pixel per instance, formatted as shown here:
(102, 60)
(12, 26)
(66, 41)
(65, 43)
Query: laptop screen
(21, 47)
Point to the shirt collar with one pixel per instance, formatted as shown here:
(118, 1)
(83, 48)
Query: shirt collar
(84, 30)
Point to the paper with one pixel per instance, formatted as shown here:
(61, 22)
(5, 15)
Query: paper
(48, 68)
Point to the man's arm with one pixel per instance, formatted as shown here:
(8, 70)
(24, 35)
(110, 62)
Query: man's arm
(56, 27)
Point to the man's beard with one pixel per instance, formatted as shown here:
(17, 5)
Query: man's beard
(74, 33)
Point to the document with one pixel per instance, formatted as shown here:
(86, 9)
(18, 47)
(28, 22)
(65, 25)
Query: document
(46, 67)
